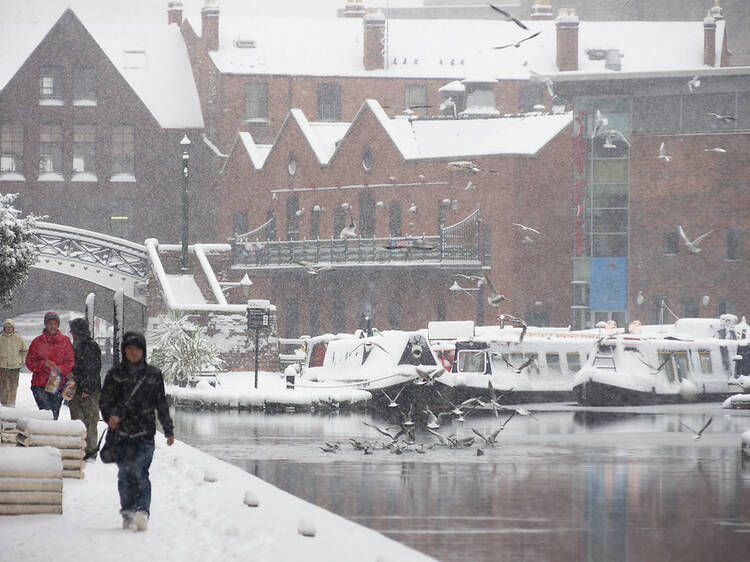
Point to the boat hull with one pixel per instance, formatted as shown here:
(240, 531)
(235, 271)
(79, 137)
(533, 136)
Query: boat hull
(594, 393)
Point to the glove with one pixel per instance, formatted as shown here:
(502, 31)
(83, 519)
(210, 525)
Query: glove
(69, 390)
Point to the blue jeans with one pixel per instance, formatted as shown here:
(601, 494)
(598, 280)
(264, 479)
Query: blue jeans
(47, 400)
(133, 461)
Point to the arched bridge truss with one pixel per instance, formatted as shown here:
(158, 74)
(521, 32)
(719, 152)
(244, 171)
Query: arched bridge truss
(111, 262)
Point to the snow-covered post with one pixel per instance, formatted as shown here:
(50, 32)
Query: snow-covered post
(258, 317)
(117, 326)
(17, 250)
(90, 299)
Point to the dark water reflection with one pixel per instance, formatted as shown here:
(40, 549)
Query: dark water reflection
(577, 485)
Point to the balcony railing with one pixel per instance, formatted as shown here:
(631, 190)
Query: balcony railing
(460, 244)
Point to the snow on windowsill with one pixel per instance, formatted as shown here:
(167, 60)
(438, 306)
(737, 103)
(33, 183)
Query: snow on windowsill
(122, 178)
(51, 102)
(84, 177)
(84, 103)
(51, 176)
(11, 176)
(257, 120)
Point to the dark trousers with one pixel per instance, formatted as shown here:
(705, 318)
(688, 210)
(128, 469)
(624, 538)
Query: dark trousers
(8, 386)
(87, 410)
(47, 400)
(133, 461)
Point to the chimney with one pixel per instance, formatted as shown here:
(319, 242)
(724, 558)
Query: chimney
(541, 10)
(174, 12)
(709, 40)
(567, 40)
(374, 41)
(210, 27)
(354, 9)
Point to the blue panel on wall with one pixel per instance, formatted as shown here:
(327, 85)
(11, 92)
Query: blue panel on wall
(609, 283)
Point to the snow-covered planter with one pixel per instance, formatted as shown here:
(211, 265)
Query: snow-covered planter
(17, 250)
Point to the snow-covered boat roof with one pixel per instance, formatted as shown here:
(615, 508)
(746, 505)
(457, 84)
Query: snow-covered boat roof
(151, 57)
(424, 139)
(450, 48)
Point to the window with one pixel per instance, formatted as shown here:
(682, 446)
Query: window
(610, 220)
(240, 223)
(292, 165)
(256, 101)
(50, 85)
(611, 171)
(315, 223)
(610, 196)
(657, 114)
(470, 361)
(84, 86)
(574, 362)
(367, 160)
(84, 151)
(11, 148)
(671, 243)
(366, 214)
(339, 318)
(415, 98)
(553, 362)
(696, 111)
(394, 219)
(528, 97)
(705, 359)
(441, 310)
(394, 312)
(339, 220)
(665, 356)
(733, 242)
(690, 307)
(50, 152)
(123, 151)
(329, 101)
(537, 318)
(292, 220)
(610, 245)
(291, 326)
(681, 364)
(581, 294)
(727, 307)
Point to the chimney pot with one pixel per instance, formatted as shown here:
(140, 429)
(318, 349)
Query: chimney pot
(567, 40)
(354, 9)
(210, 27)
(716, 11)
(174, 12)
(541, 10)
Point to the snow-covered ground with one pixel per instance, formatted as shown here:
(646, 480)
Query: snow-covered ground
(191, 518)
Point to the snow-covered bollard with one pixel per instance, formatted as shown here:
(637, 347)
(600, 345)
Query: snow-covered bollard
(251, 499)
(290, 373)
(306, 527)
(209, 475)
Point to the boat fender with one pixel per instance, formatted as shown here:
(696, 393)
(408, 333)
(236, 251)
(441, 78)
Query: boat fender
(688, 390)
(416, 352)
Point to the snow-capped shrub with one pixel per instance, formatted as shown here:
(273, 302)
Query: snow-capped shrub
(17, 251)
(180, 349)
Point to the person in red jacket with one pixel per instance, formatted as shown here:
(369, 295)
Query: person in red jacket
(50, 359)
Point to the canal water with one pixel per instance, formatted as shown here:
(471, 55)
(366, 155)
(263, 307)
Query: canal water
(598, 484)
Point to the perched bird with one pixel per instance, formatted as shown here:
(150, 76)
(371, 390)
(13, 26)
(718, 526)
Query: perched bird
(463, 166)
(722, 118)
(449, 104)
(413, 208)
(313, 270)
(699, 433)
(392, 401)
(300, 212)
(328, 448)
(662, 154)
(348, 231)
(610, 136)
(509, 17)
(714, 149)
(494, 299)
(470, 186)
(692, 246)
(694, 82)
(518, 43)
(599, 123)
(639, 300)
(542, 79)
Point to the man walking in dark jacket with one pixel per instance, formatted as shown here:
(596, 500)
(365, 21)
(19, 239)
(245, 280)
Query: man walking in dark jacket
(87, 366)
(131, 393)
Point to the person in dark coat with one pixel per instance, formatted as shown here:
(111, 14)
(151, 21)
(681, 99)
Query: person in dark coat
(87, 366)
(132, 392)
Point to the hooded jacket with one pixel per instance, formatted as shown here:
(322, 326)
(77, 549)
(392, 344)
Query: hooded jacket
(12, 349)
(57, 349)
(136, 413)
(88, 359)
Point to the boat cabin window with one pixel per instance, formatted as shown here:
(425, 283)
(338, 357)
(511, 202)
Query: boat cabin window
(553, 362)
(665, 357)
(604, 362)
(681, 364)
(318, 354)
(705, 359)
(470, 361)
(725, 363)
(606, 349)
(574, 361)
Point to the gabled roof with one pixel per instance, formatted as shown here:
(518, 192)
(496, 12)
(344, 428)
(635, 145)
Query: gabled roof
(152, 59)
(450, 48)
(516, 135)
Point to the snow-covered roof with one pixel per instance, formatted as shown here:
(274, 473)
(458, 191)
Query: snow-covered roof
(152, 58)
(418, 139)
(450, 48)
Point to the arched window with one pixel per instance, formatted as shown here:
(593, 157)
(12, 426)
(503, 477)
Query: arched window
(292, 220)
(394, 220)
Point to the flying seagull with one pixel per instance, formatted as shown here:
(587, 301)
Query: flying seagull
(694, 82)
(312, 270)
(518, 43)
(478, 278)
(699, 433)
(494, 299)
(714, 149)
(722, 118)
(599, 123)
(517, 370)
(490, 438)
(610, 135)
(467, 166)
(470, 186)
(495, 399)
(526, 228)
(382, 431)
(509, 17)
(392, 401)
(542, 79)
(663, 155)
(692, 246)
(434, 421)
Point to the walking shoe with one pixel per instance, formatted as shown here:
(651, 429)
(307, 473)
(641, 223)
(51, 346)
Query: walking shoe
(127, 519)
(140, 520)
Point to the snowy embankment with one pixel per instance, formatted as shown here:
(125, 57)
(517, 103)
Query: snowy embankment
(235, 390)
(197, 512)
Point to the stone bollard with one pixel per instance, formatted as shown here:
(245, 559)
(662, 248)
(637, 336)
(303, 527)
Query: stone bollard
(290, 373)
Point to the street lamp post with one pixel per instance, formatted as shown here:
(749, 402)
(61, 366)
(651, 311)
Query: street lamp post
(185, 143)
